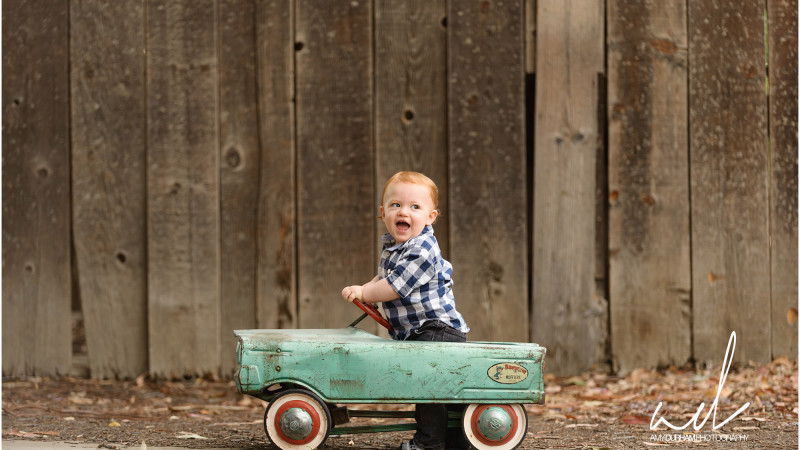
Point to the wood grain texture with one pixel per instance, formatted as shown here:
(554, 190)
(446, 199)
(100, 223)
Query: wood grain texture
(205, 199)
(36, 204)
(276, 300)
(411, 99)
(239, 172)
(729, 180)
(336, 216)
(649, 238)
(108, 183)
(782, 19)
(486, 100)
(568, 317)
(183, 188)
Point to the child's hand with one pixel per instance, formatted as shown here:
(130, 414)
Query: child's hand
(351, 293)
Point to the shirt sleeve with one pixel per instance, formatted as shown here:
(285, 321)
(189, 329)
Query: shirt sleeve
(415, 269)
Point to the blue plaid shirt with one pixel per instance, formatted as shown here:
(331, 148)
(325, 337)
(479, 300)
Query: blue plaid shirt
(423, 279)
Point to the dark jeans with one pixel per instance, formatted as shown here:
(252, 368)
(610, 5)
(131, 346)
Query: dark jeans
(432, 431)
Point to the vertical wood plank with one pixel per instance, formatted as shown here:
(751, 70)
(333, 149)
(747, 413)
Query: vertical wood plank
(239, 172)
(729, 180)
(108, 174)
(411, 98)
(36, 205)
(782, 41)
(183, 185)
(276, 300)
(650, 277)
(336, 216)
(488, 243)
(569, 57)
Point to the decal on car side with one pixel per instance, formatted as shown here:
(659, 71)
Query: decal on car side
(507, 373)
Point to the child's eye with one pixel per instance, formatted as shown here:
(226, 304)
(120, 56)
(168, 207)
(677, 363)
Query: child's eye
(395, 205)
(414, 206)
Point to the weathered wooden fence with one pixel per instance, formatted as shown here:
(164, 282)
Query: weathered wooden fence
(618, 178)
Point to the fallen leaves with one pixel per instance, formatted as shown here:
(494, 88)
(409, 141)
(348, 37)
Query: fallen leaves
(636, 419)
(34, 435)
(80, 399)
(187, 435)
(588, 411)
(584, 425)
(748, 419)
(126, 410)
(602, 398)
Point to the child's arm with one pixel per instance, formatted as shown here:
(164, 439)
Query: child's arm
(376, 291)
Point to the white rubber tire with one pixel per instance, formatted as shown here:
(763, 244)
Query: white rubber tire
(311, 407)
(518, 427)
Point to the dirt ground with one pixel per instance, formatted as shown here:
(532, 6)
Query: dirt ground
(593, 411)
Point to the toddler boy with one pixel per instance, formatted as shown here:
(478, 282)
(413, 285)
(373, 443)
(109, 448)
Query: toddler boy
(414, 283)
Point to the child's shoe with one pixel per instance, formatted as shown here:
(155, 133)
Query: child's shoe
(409, 445)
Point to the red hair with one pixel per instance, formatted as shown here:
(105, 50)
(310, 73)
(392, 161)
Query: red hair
(414, 178)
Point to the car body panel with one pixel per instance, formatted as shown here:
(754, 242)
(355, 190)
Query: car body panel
(350, 365)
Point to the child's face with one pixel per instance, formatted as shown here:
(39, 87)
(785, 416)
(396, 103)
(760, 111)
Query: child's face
(406, 209)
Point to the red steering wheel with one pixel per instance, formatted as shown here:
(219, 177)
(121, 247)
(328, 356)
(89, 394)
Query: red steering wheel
(373, 312)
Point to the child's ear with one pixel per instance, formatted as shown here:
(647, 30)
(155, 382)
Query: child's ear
(432, 218)
(380, 212)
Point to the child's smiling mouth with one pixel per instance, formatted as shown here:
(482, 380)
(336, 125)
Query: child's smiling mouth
(402, 226)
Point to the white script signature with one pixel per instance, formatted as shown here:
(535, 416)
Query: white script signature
(726, 365)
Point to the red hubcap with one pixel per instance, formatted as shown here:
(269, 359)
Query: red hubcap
(307, 409)
(475, 423)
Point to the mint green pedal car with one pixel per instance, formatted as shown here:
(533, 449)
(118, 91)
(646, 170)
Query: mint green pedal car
(304, 374)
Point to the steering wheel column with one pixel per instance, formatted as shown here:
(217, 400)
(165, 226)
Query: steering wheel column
(372, 311)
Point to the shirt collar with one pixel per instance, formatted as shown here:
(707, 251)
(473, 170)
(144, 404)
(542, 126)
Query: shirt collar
(391, 244)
